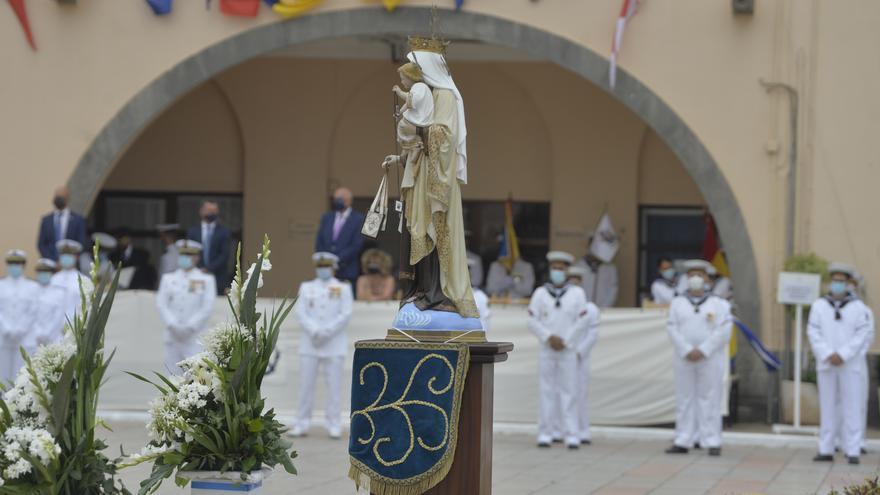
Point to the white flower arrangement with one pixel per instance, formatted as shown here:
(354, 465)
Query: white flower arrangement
(211, 417)
(48, 444)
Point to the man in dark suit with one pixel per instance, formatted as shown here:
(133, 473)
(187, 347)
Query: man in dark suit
(135, 258)
(215, 240)
(60, 224)
(340, 234)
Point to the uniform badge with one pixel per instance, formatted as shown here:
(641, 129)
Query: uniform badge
(196, 285)
(335, 292)
(710, 317)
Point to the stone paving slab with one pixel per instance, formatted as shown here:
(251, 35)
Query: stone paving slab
(608, 467)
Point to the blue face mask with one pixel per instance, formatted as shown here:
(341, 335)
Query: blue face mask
(324, 273)
(837, 288)
(15, 270)
(668, 273)
(338, 204)
(185, 262)
(44, 277)
(67, 260)
(557, 277)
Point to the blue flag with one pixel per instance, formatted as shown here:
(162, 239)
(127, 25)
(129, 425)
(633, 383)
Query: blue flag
(770, 360)
(458, 4)
(160, 7)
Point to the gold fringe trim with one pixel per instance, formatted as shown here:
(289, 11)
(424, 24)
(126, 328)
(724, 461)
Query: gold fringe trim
(363, 476)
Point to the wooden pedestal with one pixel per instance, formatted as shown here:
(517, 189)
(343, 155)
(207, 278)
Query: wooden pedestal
(471, 471)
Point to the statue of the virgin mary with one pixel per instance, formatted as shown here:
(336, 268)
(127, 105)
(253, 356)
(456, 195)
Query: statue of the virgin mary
(432, 135)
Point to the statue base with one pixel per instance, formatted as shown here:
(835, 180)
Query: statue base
(413, 324)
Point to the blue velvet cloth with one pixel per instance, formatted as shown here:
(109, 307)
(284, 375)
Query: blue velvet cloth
(400, 394)
(410, 317)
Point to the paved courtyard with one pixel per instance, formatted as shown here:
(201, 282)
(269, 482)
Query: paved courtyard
(623, 466)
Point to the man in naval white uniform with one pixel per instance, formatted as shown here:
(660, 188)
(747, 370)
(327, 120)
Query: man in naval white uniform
(18, 297)
(49, 319)
(584, 347)
(68, 279)
(840, 327)
(185, 301)
(663, 290)
(480, 297)
(699, 327)
(323, 310)
(600, 280)
(556, 317)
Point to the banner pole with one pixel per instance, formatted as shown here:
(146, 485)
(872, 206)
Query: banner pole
(798, 350)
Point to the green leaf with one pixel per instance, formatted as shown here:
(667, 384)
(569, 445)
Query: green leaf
(61, 402)
(166, 381)
(147, 380)
(255, 425)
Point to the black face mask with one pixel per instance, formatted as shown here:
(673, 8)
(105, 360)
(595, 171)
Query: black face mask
(338, 204)
(210, 218)
(373, 269)
(59, 202)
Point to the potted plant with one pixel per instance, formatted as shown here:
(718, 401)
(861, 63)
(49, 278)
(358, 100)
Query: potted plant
(48, 444)
(209, 425)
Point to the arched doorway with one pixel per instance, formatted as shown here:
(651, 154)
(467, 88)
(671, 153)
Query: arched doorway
(126, 125)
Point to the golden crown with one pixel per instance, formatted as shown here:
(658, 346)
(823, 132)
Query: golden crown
(422, 44)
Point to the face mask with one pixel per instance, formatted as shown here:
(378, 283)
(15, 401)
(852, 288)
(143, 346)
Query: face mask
(44, 278)
(210, 218)
(59, 202)
(707, 287)
(852, 289)
(184, 262)
(557, 277)
(695, 283)
(837, 288)
(15, 271)
(324, 273)
(372, 269)
(67, 260)
(668, 273)
(103, 257)
(338, 204)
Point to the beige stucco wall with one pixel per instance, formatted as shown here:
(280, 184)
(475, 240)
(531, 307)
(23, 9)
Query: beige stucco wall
(699, 58)
(562, 141)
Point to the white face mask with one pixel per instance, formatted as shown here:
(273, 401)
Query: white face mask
(695, 283)
(324, 273)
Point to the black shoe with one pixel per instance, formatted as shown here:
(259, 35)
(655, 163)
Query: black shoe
(823, 458)
(697, 446)
(543, 445)
(853, 460)
(557, 440)
(586, 442)
(714, 451)
(863, 450)
(675, 449)
(573, 446)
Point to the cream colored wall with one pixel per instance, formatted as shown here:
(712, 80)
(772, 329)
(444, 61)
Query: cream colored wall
(562, 140)
(194, 146)
(699, 58)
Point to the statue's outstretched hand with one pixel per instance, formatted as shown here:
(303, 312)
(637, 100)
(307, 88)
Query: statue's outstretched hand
(390, 160)
(399, 92)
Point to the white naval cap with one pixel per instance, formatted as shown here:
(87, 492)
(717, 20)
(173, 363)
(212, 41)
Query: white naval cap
(16, 256)
(843, 268)
(68, 246)
(560, 256)
(711, 270)
(576, 271)
(323, 258)
(701, 265)
(168, 227)
(187, 246)
(46, 265)
(104, 240)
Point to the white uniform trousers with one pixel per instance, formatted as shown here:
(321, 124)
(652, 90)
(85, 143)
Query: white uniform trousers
(698, 390)
(846, 385)
(558, 383)
(176, 350)
(332, 369)
(10, 360)
(583, 376)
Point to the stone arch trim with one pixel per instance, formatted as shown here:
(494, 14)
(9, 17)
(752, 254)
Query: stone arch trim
(101, 156)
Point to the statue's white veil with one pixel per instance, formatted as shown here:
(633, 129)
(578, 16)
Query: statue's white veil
(436, 74)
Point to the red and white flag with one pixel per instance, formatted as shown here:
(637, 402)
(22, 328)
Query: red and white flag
(628, 10)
